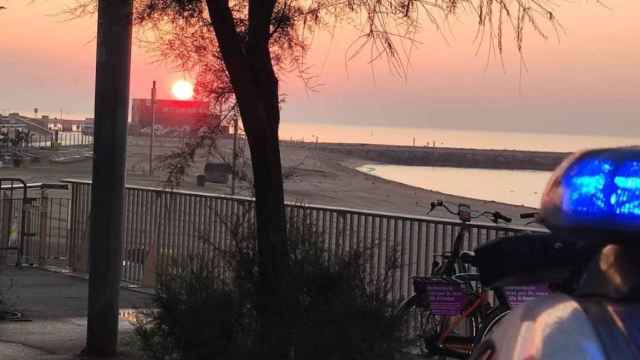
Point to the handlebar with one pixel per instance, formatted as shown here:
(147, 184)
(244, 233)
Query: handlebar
(465, 214)
(529, 215)
(502, 217)
(534, 217)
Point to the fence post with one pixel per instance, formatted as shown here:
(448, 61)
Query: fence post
(78, 245)
(72, 226)
(5, 227)
(150, 265)
(82, 234)
(82, 264)
(153, 258)
(44, 227)
(25, 239)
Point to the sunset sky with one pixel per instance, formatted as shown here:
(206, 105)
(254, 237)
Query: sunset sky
(588, 81)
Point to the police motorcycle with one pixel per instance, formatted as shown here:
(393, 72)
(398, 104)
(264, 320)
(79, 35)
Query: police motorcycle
(592, 257)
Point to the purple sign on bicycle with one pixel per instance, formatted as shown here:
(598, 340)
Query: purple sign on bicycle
(517, 295)
(446, 299)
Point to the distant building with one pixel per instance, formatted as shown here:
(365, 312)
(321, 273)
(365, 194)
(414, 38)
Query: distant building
(45, 124)
(55, 124)
(170, 113)
(11, 122)
(87, 128)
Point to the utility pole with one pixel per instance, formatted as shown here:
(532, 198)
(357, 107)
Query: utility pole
(234, 159)
(153, 126)
(113, 62)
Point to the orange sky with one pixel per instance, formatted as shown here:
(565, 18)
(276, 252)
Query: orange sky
(588, 81)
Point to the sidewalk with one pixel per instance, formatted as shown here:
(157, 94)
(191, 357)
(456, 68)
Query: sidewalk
(56, 304)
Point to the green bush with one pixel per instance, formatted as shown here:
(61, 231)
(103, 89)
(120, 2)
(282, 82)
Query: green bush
(206, 307)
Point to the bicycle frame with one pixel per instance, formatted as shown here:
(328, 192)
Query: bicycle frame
(483, 298)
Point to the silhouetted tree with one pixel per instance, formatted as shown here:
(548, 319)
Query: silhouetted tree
(238, 48)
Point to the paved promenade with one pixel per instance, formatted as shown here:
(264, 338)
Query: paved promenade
(55, 306)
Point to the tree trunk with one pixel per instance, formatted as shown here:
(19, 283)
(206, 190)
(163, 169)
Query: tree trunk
(273, 299)
(255, 86)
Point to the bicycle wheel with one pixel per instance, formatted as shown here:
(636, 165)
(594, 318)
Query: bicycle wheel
(490, 321)
(417, 323)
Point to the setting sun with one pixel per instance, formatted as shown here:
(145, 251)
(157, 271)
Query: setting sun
(182, 90)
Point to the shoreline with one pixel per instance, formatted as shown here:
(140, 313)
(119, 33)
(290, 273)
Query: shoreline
(358, 163)
(509, 187)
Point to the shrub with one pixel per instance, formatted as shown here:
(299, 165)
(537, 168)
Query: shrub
(206, 306)
(196, 317)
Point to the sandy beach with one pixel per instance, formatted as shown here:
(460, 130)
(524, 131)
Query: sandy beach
(312, 176)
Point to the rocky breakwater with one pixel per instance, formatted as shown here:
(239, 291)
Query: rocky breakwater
(450, 157)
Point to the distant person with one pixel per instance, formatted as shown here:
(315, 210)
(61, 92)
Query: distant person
(27, 137)
(20, 137)
(15, 141)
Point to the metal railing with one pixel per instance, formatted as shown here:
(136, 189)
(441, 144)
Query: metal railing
(163, 225)
(73, 139)
(44, 238)
(32, 141)
(38, 140)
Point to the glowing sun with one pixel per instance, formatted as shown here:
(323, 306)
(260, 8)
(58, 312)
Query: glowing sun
(182, 90)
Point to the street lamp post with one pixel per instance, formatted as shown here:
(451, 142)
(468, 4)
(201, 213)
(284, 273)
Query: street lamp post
(234, 159)
(153, 126)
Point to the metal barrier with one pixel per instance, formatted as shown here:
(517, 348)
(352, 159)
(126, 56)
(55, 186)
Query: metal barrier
(73, 139)
(37, 140)
(161, 225)
(42, 226)
(13, 224)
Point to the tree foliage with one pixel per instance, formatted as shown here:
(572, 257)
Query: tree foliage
(178, 32)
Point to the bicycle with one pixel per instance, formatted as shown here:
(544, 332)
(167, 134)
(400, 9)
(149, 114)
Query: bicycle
(448, 311)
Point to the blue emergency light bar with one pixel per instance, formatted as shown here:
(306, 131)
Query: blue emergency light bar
(595, 189)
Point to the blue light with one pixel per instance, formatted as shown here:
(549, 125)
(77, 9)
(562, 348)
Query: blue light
(625, 182)
(588, 184)
(603, 185)
(626, 198)
(585, 186)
